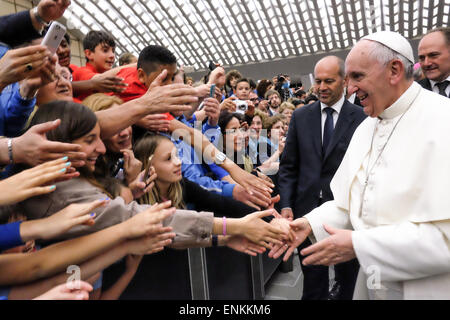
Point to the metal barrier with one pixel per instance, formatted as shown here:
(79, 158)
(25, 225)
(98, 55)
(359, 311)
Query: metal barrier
(261, 268)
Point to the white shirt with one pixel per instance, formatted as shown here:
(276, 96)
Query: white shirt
(274, 112)
(336, 107)
(436, 89)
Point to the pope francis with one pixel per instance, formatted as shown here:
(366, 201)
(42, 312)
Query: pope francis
(391, 207)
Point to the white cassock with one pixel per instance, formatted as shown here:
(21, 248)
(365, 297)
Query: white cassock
(402, 233)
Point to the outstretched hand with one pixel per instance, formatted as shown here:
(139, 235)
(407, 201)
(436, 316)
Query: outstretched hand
(302, 230)
(32, 182)
(243, 245)
(61, 222)
(33, 148)
(260, 232)
(77, 290)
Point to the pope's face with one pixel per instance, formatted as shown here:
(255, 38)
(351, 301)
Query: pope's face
(369, 79)
(434, 56)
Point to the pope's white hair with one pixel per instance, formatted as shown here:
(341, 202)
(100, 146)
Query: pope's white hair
(384, 55)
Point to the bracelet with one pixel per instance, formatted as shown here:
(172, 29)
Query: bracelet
(224, 226)
(215, 241)
(39, 18)
(10, 153)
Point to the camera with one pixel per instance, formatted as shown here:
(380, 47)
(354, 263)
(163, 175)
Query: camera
(281, 78)
(212, 66)
(241, 106)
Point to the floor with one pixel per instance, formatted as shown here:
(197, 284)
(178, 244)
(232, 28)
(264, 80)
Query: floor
(289, 285)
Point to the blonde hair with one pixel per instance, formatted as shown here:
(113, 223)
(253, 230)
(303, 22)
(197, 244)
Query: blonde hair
(262, 115)
(144, 148)
(286, 105)
(269, 122)
(100, 101)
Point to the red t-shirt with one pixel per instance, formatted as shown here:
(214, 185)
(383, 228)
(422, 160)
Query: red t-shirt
(73, 68)
(84, 73)
(135, 89)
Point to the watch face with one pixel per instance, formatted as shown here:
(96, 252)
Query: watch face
(220, 157)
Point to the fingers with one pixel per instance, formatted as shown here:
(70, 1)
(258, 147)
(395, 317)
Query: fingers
(317, 247)
(289, 252)
(260, 199)
(89, 207)
(164, 214)
(159, 80)
(43, 128)
(265, 213)
(253, 182)
(159, 206)
(251, 204)
(61, 147)
(276, 199)
(329, 229)
(277, 251)
(38, 191)
(49, 174)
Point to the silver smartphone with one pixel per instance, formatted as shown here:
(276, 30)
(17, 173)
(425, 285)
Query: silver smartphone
(54, 36)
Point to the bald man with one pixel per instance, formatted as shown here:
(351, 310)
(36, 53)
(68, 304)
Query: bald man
(391, 207)
(434, 58)
(317, 139)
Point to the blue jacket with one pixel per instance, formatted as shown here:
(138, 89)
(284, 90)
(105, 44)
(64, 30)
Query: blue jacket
(10, 236)
(193, 169)
(14, 111)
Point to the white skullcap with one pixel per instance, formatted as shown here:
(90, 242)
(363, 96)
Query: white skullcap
(394, 41)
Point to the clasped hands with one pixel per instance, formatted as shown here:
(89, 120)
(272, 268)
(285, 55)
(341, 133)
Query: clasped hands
(337, 248)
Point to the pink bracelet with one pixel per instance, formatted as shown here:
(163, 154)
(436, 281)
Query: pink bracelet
(224, 226)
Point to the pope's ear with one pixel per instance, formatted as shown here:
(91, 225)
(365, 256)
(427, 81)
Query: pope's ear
(397, 70)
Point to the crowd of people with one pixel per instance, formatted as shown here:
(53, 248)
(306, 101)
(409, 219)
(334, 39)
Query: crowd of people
(117, 171)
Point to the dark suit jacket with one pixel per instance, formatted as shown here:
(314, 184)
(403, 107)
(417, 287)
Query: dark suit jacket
(17, 28)
(425, 83)
(304, 171)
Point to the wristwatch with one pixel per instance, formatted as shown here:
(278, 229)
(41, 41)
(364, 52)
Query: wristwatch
(39, 18)
(220, 158)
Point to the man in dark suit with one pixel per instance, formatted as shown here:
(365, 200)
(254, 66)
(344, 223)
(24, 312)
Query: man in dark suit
(317, 140)
(434, 58)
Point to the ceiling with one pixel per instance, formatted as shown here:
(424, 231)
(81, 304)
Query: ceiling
(240, 32)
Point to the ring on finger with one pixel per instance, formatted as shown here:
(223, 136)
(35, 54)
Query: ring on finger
(28, 67)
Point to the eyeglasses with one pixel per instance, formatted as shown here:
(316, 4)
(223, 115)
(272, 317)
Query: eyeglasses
(66, 76)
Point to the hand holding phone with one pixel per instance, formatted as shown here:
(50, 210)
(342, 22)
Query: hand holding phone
(54, 36)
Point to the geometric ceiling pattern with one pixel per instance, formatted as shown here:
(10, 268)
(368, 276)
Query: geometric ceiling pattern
(235, 32)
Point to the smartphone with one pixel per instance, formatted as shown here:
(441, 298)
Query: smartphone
(147, 170)
(212, 91)
(54, 36)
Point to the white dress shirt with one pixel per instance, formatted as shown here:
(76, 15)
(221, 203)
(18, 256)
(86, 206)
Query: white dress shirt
(336, 107)
(435, 88)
